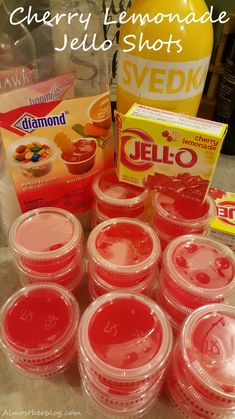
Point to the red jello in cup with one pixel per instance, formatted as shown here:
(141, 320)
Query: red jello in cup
(175, 216)
(123, 251)
(118, 199)
(46, 239)
(198, 270)
(38, 329)
(126, 340)
(70, 277)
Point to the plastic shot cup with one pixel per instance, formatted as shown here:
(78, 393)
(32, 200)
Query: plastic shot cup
(201, 377)
(125, 341)
(39, 329)
(123, 251)
(46, 239)
(117, 199)
(173, 218)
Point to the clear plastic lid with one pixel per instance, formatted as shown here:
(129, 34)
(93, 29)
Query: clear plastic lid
(45, 234)
(181, 212)
(38, 321)
(110, 190)
(207, 343)
(200, 265)
(126, 336)
(124, 245)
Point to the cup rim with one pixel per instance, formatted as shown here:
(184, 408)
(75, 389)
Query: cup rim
(144, 371)
(47, 350)
(102, 196)
(180, 281)
(146, 264)
(52, 254)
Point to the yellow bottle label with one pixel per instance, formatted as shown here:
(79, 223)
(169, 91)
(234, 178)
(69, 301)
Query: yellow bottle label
(161, 80)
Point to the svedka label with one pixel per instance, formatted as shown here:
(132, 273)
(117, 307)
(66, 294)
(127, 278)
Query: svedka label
(160, 80)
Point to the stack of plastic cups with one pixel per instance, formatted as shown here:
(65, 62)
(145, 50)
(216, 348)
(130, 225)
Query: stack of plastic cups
(125, 343)
(201, 379)
(196, 271)
(172, 217)
(117, 199)
(38, 327)
(48, 247)
(123, 254)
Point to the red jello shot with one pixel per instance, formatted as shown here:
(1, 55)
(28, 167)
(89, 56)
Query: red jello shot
(98, 286)
(123, 251)
(126, 341)
(70, 277)
(198, 270)
(188, 399)
(117, 199)
(174, 217)
(39, 329)
(46, 239)
(207, 348)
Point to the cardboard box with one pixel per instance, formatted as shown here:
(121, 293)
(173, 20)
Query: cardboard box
(167, 151)
(223, 225)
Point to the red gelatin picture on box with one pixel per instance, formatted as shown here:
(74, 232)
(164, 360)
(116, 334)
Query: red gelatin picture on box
(81, 158)
(183, 185)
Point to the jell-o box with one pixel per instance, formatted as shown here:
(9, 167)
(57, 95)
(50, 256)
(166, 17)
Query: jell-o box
(222, 226)
(168, 152)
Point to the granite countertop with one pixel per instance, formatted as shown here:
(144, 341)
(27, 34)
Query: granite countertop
(61, 396)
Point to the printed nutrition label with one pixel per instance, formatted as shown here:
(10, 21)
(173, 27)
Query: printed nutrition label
(182, 121)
